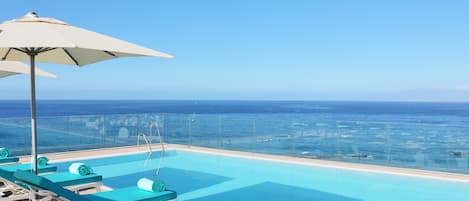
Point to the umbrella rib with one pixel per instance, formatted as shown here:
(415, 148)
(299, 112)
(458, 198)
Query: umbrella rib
(107, 52)
(6, 54)
(18, 49)
(71, 57)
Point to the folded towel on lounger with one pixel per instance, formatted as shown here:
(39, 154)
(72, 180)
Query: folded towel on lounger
(80, 169)
(150, 185)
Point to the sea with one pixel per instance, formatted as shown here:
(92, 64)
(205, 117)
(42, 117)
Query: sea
(421, 135)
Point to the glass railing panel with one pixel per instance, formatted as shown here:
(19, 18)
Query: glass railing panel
(53, 135)
(204, 130)
(458, 150)
(148, 125)
(175, 128)
(70, 133)
(236, 131)
(123, 129)
(437, 146)
(15, 134)
(316, 138)
(432, 147)
(421, 146)
(90, 129)
(303, 134)
(271, 134)
(362, 142)
(405, 150)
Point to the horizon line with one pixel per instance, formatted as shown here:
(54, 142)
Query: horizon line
(248, 100)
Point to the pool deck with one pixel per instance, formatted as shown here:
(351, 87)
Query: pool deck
(97, 153)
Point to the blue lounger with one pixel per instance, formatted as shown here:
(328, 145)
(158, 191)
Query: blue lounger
(63, 178)
(11, 159)
(71, 181)
(8, 179)
(29, 167)
(75, 182)
(125, 194)
(7, 171)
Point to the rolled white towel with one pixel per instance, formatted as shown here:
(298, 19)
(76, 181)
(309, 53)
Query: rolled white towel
(80, 169)
(150, 185)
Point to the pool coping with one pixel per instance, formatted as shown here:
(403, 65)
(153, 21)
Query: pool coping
(367, 168)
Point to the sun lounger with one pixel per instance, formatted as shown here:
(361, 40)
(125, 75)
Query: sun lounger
(71, 181)
(7, 171)
(43, 185)
(75, 182)
(8, 179)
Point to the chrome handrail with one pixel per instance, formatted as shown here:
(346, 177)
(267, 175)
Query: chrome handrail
(149, 140)
(163, 149)
(150, 152)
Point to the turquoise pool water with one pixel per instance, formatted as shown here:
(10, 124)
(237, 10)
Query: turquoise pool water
(207, 177)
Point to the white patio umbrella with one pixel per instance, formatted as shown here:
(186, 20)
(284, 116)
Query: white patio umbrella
(33, 38)
(8, 68)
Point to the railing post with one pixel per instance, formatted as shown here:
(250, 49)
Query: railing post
(190, 130)
(220, 137)
(25, 132)
(67, 119)
(388, 143)
(293, 141)
(447, 141)
(337, 138)
(253, 135)
(104, 130)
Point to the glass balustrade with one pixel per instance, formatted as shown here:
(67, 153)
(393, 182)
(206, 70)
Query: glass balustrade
(438, 146)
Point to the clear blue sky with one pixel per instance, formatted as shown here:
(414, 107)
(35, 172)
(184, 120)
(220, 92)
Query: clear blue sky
(274, 50)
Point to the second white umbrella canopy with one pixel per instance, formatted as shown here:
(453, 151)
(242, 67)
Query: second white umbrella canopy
(8, 68)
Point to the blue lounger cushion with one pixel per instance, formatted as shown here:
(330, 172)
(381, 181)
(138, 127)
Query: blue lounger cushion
(132, 193)
(29, 167)
(69, 179)
(7, 171)
(10, 159)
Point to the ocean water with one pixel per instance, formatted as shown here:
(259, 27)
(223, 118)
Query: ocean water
(431, 136)
(396, 111)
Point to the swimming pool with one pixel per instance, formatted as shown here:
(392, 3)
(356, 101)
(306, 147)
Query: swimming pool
(206, 177)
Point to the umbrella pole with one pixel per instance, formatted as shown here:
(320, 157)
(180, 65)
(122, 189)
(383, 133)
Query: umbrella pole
(33, 114)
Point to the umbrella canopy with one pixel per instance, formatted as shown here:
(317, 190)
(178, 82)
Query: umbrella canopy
(57, 42)
(50, 40)
(8, 68)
